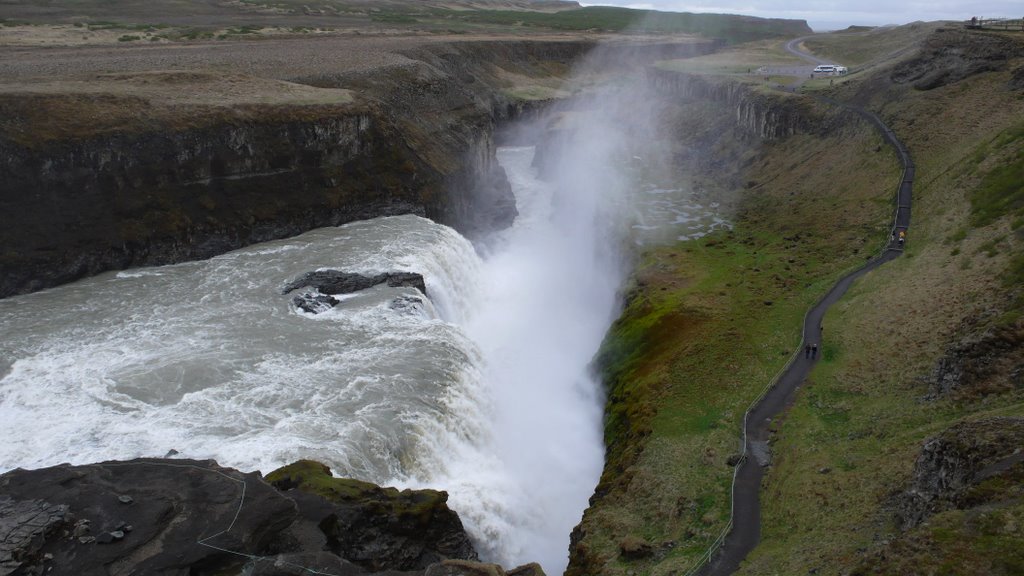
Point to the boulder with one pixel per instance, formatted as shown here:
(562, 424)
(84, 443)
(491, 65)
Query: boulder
(981, 364)
(635, 548)
(407, 304)
(463, 568)
(952, 467)
(338, 282)
(186, 517)
(334, 282)
(531, 569)
(376, 528)
(325, 283)
(411, 279)
(314, 303)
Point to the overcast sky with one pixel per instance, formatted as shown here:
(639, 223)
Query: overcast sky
(835, 14)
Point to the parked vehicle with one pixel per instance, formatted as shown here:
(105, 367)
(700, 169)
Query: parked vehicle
(830, 69)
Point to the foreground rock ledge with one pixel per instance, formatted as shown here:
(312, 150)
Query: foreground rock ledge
(189, 517)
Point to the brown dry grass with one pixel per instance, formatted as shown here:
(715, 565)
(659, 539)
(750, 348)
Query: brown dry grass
(61, 92)
(740, 59)
(870, 47)
(179, 88)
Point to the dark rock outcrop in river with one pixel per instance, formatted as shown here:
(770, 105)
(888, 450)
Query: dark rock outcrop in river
(339, 282)
(326, 283)
(178, 517)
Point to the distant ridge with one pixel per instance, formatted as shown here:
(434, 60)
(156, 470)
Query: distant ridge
(505, 16)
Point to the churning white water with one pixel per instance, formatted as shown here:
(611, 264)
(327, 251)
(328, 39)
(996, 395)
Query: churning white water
(482, 389)
(208, 358)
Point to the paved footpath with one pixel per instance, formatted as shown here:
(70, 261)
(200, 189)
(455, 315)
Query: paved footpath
(745, 532)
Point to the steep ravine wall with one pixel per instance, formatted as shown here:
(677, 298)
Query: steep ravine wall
(760, 115)
(735, 121)
(124, 193)
(193, 184)
(77, 207)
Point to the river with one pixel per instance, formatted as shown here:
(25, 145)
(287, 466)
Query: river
(482, 389)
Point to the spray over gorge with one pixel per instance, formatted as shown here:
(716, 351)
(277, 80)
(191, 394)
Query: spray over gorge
(481, 387)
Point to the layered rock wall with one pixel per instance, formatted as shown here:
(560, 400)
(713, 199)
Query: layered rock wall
(193, 183)
(76, 207)
(759, 115)
(169, 185)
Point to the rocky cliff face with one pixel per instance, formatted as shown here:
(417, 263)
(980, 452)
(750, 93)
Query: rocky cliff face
(978, 365)
(76, 207)
(954, 466)
(176, 184)
(177, 517)
(377, 528)
(950, 55)
(761, 116)
(86, 192)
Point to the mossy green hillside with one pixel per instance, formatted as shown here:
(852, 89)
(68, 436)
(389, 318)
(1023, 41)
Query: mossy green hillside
(706, 326)
(1001, 190)
(849, 444)
(418, 506)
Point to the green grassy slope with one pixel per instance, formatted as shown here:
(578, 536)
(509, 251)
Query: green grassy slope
(847, 451)
(708, 323)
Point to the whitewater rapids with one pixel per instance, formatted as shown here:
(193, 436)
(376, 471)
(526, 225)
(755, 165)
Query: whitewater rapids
(482, 390)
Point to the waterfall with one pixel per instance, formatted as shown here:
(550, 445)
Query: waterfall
(482, 389)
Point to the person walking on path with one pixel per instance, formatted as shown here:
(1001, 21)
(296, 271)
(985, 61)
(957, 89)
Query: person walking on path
(814, 351)
(807, 351)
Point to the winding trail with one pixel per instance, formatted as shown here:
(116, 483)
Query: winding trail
(743, 532)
